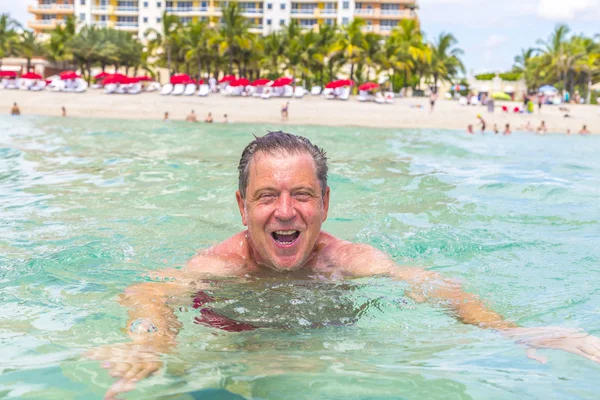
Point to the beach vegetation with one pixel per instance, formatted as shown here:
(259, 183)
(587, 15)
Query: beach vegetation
(564, 60)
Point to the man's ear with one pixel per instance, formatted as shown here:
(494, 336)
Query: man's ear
(325, 204)
(242, 206)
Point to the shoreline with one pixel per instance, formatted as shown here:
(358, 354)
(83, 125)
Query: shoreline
(407, 113)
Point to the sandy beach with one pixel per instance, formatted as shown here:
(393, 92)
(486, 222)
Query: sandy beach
(310, 110)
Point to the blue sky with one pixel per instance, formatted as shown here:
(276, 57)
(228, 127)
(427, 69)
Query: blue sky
(491, 32)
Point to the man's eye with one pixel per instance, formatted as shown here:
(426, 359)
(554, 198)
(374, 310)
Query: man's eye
(266, 196)
(302, 196)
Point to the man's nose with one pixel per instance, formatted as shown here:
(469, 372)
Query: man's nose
(285, 207)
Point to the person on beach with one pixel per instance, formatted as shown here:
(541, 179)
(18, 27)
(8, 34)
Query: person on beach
(285, 111)
(283, 200)
(584, 131)
(15, 110)
(225, 119)
(542, 129)
(540, 102)
(482, 123)
(64, 111)
(209, 118)
(432, 99)
(496, 130)
(528, 127)
(507, 130)
(470, 129)
(191, 117)
(166, 117)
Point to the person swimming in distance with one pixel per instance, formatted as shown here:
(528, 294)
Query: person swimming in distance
(283, 200)
(496, 130)
(209, 118)
(225, 119)
(542, 129)
(584, 131)
(166, 117)
(507, 130)
(15, 110)
(481, 123)
(64, 111)
(470, 129)
(191, 117)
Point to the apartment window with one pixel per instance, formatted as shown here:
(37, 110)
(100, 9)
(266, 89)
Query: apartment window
(268, 22)
(158, 19)
(346, 5)
(158, 4)
(145, 4)
(345, 21)
(82, 17)
(329, 21)
(282, 6)
(82, 2)
(145, 20)
(204, 5)
(269, 6)
(282, 22)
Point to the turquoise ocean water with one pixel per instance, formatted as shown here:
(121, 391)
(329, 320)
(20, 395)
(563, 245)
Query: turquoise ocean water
(88, 206)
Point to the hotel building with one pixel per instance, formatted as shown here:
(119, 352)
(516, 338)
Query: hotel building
(265, 16)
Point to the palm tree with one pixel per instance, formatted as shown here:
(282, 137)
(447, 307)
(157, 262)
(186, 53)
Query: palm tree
(234, 31)
(273, 50)
(445, 59)
(59, 37)
(405, 49)
(372, 52)
(165, 38)
(350, 43)
(9, 38)
(30, 46)
(555, 52)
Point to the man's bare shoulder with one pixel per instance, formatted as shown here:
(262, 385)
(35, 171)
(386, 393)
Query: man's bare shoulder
(353, 259)
(228, 258)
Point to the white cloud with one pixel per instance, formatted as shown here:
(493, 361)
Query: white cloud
(561, 10)
(495, 41)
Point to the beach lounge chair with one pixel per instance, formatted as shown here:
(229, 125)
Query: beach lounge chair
(288, 91)
(134, 88)
(389, 97)
(344, 93)
(26, 84)
(80, 86)
(12, 84)
(39, 85)
(178, 89)
(266, 94)
(363, 95)
(299, 92)
(57, 85)
(167, 89)
(474, 101)
(328, 93)
(315, 90)
(462, 101)
(204, 90)
(190, 89)
(379, 99)
(152, 87)
(110, 88)
(122, 88)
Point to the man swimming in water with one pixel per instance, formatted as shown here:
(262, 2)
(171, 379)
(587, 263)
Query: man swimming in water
(283, 200)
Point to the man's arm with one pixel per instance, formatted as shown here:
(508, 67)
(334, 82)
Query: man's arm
(152, 325)
(363, 260)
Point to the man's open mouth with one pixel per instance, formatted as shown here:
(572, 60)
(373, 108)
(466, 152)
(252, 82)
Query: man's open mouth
(285, 237)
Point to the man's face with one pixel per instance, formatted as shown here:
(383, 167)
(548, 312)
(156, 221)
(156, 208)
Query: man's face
(283, 209)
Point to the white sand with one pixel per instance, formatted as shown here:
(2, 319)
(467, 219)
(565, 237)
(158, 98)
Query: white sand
(311, 110)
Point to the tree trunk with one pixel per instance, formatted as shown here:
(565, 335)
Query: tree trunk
(351, 70)
(28, 64)
(230, 60)
(169, 59)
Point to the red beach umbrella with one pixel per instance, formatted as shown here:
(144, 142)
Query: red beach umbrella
(31, 75)
(345, 82)
(180, 79)
(101, 75)
(144, 78)
(239, 82)
(8, 74)
(116, 78)
(368, 86)
(283, 81)
(227, 78)
(68, 75)
(331, 85)
(261, 82)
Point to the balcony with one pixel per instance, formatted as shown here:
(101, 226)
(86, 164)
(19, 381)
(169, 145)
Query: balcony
(384, 14)
(43, 24)
(328, 11)
(104, 10)
(250, 12)
(304, 12)
(51, 9)
(126, 10)
(364, 11)
(127, 26)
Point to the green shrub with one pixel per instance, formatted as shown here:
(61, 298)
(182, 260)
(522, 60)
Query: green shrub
(485, 77)
(510, 76)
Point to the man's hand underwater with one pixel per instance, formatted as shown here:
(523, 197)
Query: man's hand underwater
(570, 340)
(129, 363)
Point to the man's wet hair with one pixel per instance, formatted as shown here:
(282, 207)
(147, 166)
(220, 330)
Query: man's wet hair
(275, 143)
